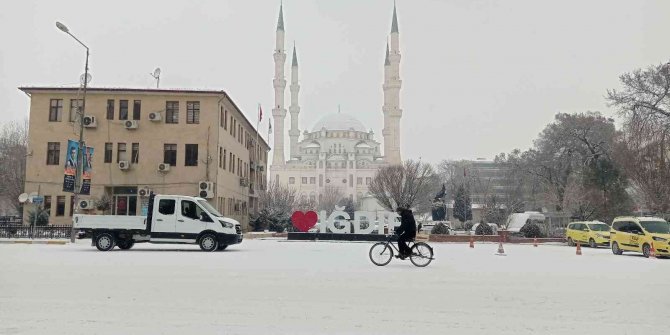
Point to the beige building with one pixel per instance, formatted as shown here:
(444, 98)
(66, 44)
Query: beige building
(187, 142)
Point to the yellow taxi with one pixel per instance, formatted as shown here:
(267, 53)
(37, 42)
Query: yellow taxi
(593, 233)
(638, 233)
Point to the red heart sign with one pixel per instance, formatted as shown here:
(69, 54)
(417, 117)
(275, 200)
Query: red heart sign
(304, 221)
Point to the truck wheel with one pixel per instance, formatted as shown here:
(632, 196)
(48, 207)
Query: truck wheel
(571, 243)
(592, 243)
(125, 244)
(208, 243)
(646, 250)
(615, 249)
(105, 242)
(222, 247)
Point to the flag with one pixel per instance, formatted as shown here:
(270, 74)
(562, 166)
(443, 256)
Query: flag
(260, 113)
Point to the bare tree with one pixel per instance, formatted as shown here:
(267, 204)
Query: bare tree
(644, 154)
(13, 150)
(410, 185)
(330, 198)
(276, 204)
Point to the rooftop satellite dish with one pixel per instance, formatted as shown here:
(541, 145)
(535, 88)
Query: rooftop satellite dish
(156, 75)
(23, 197)
(88, 79)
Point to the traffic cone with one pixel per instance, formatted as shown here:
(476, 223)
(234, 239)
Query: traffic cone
(652, 252)
(579, 249)
(501, 250)
(472, 242)
(535, 241)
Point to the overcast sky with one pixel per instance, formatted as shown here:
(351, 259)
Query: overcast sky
(479, 77)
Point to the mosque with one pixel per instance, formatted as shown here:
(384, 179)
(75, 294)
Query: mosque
(338, 152)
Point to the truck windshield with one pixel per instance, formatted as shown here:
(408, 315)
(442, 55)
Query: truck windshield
(599, 227)
(656, 227)
(209, 208)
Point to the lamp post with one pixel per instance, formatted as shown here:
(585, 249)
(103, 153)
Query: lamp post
(80, 154)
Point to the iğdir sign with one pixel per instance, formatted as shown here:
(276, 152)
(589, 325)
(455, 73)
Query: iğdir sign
(340, 221)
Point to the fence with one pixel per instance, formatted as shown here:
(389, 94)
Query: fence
(39, 232)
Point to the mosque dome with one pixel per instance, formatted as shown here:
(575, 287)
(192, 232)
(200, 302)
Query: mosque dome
(339, 121)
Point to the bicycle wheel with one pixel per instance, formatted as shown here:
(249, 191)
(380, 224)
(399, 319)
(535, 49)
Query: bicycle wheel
(381, 253)
(422, 254)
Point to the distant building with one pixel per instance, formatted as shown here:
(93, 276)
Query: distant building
(339, 151)
(187, 142)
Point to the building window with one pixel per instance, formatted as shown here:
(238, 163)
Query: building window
(55, 110)
(225, 119)
(53, 153)
(47, 203)
(359, 181)
(123, 109)
(137, 109)
(320, 180)
(75, 105)
(193, 112)
(304, 180)
(220, 156)
(191, 156)
(351, 180)
(60, 205)
(170, 154)
(172, 112)
(108, 152)
(135, 153)
(312, 180)
(291, 180)
(120, 152)
(222, 119)
(110, 109)
(224, 159)
(231, 125)
(230, 163)
(368, 180)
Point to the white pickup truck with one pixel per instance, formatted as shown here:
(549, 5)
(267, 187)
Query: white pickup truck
(173, 219)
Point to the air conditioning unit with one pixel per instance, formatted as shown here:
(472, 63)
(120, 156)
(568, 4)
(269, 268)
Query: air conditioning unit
(131, 124)
(124, 165)
(86, 204)
(206, 189)
(144, 192)
(244, 182)
(163, 167)
(90, 122)
(155, 116)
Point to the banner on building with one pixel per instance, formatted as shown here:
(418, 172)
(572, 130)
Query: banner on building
(87, 171)
(71, 160)
(70, 166)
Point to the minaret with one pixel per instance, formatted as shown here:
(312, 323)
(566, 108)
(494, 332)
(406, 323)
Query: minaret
(279, 83)
(294, 109)
(392, 84)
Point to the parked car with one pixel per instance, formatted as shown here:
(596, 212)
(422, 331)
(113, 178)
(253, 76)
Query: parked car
(593, 233)
(638, 233)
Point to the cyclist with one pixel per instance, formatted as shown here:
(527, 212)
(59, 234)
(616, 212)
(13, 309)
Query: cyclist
(406, 231)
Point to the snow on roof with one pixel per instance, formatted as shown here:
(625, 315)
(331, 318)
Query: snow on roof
(339, 121)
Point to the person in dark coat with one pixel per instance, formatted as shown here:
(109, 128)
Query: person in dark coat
(406, 231)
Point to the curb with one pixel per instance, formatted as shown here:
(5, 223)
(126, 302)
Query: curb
(33, 242)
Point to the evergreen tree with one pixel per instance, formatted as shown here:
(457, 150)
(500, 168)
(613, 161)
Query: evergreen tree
(462, 205)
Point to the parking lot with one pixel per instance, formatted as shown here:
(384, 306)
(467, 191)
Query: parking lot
(282, 287)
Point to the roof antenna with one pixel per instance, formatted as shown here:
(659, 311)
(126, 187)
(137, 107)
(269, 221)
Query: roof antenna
(156, 75)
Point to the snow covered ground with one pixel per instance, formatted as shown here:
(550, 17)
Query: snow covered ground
(279, 287)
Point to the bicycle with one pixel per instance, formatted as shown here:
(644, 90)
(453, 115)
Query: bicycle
(381, 253)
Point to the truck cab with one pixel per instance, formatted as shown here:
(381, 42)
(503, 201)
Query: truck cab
(173, 219)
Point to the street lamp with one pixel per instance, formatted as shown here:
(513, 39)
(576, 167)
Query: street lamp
(80, 154)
